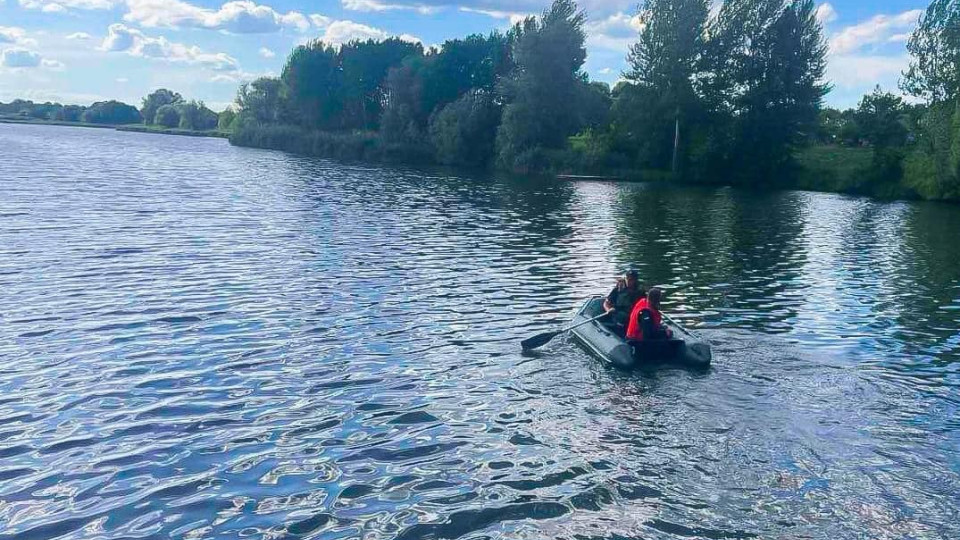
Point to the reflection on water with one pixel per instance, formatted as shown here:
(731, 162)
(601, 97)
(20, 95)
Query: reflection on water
(199, 341)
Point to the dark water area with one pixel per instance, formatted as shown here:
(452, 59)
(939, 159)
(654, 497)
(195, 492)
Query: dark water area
(201, 341)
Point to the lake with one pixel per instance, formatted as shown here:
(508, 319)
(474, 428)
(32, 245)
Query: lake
(202, 341)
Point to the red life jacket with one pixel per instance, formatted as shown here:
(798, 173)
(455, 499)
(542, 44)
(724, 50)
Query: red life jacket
(634, 330)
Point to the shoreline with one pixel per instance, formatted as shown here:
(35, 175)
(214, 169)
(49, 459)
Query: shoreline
(133, 128)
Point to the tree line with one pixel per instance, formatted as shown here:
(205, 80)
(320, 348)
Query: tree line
(696, 99)
(729, 96)
(162, 108)
(102, 112)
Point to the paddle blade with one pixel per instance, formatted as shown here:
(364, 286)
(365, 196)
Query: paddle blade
(538, 340)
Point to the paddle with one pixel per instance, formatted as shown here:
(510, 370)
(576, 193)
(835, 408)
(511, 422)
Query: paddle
(540, 340)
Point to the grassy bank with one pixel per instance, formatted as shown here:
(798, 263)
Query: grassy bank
(355, 146)
(138, 128)
(834, 169)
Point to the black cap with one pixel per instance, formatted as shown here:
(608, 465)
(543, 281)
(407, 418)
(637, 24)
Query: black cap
(632, 272)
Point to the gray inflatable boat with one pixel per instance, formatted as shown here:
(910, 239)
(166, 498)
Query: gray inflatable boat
(685, 349)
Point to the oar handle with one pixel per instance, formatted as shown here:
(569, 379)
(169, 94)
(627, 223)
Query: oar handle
(584, 323)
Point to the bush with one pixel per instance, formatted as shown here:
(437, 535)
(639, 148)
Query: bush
(465, 131)
(933, 169)
(354, 146)
(111, 112)
(167, 116)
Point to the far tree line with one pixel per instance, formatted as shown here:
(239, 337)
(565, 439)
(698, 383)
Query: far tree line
(731, 95)
(162, 108)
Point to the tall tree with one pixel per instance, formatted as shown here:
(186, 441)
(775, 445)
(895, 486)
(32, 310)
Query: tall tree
(933, 170)
(262, 101)
(769, 58)
(934, 73)
(545, 86)
(365, 65)
(314, 79)
(155, 100)
(664, 62)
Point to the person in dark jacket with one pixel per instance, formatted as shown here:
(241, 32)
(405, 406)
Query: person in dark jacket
(622, 298)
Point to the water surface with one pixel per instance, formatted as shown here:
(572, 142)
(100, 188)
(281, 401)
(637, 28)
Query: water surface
(201, 341)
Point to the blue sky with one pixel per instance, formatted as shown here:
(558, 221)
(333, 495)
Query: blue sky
(79, 51)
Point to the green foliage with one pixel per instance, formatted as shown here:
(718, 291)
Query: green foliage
(933, 169)
(934, 73)
(196, 116)
(226, 120)
(156, 99)
(111, 112)
(167, 116)
(314, 79)
(769, 58)
(355, 146)
(262, 101)
(546, 87)
(69, 113)
(880, 118)
(664, 65)
(423, 84)
(464, 132)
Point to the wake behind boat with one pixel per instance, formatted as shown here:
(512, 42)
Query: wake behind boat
(683, 349)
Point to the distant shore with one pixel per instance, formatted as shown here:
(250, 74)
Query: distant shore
(137, 128)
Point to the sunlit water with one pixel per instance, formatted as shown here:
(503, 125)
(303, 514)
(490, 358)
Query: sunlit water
(200, 341)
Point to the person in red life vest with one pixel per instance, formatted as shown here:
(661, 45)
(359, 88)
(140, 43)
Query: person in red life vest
(646, 322)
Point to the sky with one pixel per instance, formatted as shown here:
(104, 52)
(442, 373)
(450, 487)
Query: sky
(81, 51)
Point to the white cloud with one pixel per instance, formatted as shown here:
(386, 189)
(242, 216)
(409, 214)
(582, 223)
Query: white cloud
(55, 65)
(122, 80)
(617, 32)
(121, 38)
(11, 34)
(339, 32)
(373, 6)
(58, 6)
(237, 17)
(854, 71)
(826, 13)
(320, 21)
(80, 36)
(512, 16)
(876, 30)
(20, 58)
(16, 36)
(267, 53)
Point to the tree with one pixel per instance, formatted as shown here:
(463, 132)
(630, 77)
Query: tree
(464, 132)
(933, 169)
(262, 101)
(768, 61)
(157, 99)
(167, 116)
(69, 113)
(111, 112)
(365, 65)
(546, 85)
(423, 84)
(314, 79)
(196, 116)
(934, 73)
(206, 119)
(880, 118)
(665, 62)
(225, 120)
